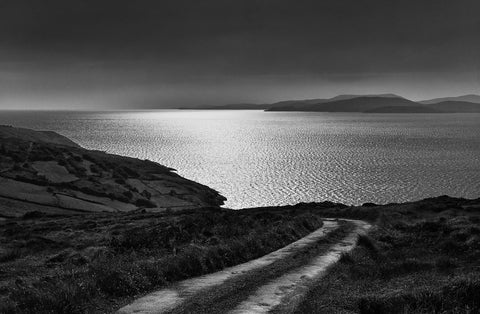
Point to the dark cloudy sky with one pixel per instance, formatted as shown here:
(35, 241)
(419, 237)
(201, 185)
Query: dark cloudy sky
(87, 54)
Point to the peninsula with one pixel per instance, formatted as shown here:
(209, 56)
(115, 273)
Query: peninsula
(47, 172)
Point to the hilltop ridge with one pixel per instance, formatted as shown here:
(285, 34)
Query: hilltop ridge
(369, 103)
(471, 98)
(347, 103)
(50, 137)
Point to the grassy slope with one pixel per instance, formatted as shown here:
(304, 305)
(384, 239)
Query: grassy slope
(107, 181)
(422, 257)
(9, 132)
(93, 263)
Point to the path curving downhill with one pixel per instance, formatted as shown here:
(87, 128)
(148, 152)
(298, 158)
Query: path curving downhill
(276, 281)
(285, 293)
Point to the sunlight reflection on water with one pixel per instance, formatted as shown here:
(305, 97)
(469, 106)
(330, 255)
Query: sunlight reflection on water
(269, 158)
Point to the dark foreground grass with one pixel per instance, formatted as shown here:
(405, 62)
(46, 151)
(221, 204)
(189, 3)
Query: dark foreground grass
(461, 295)
(94, 263)
(421, 257)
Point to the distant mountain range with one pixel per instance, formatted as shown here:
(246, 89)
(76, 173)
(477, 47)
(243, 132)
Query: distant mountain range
(382, 103)
(376, 103)
(466, 98)
(346, 103)
(456, 106)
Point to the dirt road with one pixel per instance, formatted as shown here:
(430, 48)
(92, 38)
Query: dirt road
(275, 282)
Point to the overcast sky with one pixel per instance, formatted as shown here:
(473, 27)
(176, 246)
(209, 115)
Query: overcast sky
(97, 54)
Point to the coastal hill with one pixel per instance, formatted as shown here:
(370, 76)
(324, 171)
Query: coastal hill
(383, 103)
(353, 104)
(374, 103)
(456, 106)
(8, 132)
(403, 109)
(287, 104)
(47, 172)
(305, 102)
(471, 98)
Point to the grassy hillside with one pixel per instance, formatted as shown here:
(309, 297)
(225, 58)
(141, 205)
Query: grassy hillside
(38, 174)
(91, 263)
(9, 132)
(422, 257)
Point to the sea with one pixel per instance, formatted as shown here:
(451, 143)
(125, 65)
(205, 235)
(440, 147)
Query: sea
(257, 158)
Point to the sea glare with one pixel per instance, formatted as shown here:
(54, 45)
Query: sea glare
(257, 158)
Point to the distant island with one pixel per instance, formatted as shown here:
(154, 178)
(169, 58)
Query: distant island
(375, 103)
(471, 98)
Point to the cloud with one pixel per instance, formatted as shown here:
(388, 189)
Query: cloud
(176, 48)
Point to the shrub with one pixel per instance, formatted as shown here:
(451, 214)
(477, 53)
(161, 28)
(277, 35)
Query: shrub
(445, 263)
(33, 215)
(65, 296)
(88, 157)
(130, 172)
(10, 255)
(119, 276)
(141, 202)
(94, 168)
(346, 258)
(128, 194)
(450, 246)
(460, 296)
(366, 242)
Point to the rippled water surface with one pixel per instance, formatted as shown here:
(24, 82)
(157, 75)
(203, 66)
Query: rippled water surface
(269, 158)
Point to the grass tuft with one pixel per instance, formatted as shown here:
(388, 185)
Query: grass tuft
(346, 258)
(10, 255)
(366, 242)
(460, 296)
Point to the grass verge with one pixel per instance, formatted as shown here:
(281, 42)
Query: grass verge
(421, 257)
(92, 263)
